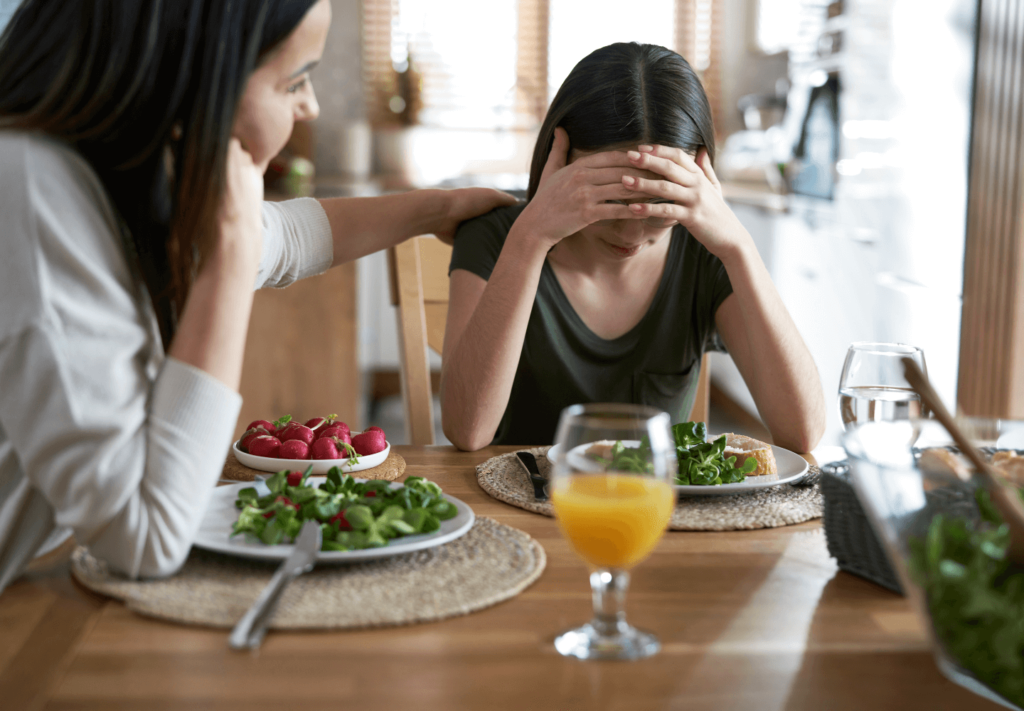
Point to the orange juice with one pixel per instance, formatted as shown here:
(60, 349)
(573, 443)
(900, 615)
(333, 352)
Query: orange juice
(612, 520)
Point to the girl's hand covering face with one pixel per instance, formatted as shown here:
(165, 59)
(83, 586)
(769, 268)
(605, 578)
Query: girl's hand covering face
(692, 187)
(571, 196)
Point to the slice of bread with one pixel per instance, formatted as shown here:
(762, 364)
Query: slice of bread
(744, 448)
(1010, 465)
(938, 459)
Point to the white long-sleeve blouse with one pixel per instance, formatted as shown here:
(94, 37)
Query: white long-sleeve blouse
(101, 434)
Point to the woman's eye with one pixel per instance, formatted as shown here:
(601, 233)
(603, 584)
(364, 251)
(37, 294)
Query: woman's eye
(298, 85)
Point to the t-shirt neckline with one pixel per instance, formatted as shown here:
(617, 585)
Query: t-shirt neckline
(633, 334)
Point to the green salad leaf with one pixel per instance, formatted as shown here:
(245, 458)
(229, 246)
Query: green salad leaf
(701, 463)
(353, 515)
(975, 595)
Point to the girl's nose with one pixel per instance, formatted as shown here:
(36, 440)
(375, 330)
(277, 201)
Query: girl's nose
(630, 229)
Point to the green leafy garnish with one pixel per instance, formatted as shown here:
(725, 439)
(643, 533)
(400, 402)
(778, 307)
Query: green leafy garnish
(975, 595)
(352, 515)
(703, 463)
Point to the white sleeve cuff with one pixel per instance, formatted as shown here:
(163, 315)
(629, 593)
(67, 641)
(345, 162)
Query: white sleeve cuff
(297, 242)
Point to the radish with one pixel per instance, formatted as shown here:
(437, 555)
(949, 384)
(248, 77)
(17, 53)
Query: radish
(370, 442)
(249, 436)
(270, 427)
(264, 424)
(265, 446)
(339, 431)
(320, 423)
(294, 449)
(297, 432)
(324, 448)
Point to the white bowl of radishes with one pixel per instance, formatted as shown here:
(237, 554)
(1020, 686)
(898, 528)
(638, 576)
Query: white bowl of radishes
(323, 442)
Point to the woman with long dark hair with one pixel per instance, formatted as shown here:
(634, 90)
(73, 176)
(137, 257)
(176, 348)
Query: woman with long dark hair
(621, 270)
(133, 138)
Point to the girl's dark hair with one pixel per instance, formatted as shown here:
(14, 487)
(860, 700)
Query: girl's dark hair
(147, 92)
(627, 93)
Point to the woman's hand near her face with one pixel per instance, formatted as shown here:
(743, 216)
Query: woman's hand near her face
(239, 218)
(213, 325)
(571, 196)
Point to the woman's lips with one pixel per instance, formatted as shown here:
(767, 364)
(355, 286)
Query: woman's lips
(623, 251)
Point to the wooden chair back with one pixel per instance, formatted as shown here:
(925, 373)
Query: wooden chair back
(419, 288)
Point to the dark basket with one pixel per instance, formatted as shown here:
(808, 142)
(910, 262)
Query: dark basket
(851, 540)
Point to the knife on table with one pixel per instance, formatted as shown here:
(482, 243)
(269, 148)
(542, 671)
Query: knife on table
(250, 630)
(538, 480)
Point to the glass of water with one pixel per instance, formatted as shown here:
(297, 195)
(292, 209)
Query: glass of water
(872, 387)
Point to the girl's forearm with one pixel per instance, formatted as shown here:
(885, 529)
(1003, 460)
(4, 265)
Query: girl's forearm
(480, 366)
(771, 354)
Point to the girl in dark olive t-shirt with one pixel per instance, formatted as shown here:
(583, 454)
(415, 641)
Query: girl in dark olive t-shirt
(622, 268)
(563, 362)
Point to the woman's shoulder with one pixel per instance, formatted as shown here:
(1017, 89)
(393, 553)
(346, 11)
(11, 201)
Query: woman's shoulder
(38, 152)
(45, 168)
(60, 229)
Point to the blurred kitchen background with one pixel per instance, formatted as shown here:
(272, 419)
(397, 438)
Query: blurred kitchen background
(844, 136)
(843, 132)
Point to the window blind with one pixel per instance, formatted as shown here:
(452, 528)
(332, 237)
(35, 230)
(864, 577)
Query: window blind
(494, 65)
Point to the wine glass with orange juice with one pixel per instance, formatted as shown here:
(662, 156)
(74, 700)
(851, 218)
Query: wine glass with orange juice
(612, 490)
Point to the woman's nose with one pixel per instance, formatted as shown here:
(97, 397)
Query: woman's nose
(308, 109)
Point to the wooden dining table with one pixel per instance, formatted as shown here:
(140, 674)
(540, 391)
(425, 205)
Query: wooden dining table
(749, 620)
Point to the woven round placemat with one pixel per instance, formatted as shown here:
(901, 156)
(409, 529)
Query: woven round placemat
(389, 470)
(504, 479)
(491, 563)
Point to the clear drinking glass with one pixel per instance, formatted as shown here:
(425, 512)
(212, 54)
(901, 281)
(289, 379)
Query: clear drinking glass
(612, 490)
(872, 387)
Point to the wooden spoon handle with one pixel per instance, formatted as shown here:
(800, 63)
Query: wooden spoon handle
(1003, 496)
(919, 381)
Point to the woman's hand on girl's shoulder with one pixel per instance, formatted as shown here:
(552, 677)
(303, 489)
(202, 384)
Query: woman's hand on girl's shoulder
(695, 193)
(571, 196)
(239, 217)
(463, 204)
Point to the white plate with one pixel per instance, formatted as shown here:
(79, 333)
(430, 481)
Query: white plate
(792, 468)
(215, 531)
(320, 466)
